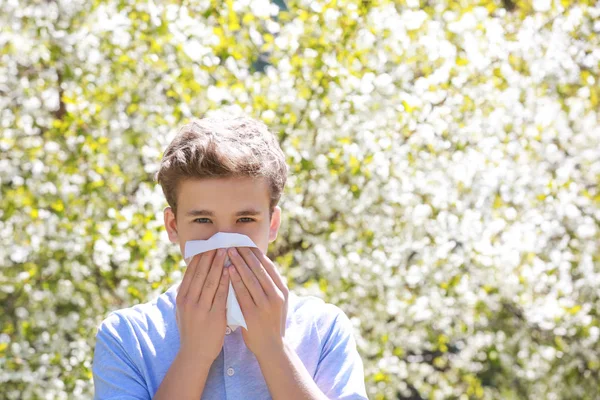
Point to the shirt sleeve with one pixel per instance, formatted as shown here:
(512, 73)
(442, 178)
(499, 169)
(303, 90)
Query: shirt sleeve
(340, 372)
(116, 377)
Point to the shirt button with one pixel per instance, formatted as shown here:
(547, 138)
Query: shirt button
(230, 371)
(227, 330)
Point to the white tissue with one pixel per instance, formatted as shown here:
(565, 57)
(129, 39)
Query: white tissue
(219, 240)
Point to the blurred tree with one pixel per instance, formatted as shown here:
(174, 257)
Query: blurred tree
(444, 188)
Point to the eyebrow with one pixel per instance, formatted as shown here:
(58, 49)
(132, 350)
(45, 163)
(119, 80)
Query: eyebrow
(195, 213)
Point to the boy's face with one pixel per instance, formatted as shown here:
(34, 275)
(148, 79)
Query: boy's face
(235, 205)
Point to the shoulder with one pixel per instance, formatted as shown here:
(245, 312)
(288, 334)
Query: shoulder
(326, 318)
(156, 315)
(131, 345)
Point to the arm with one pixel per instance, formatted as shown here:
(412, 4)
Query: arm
(201, 321)
(286, 376)
(184, 380)
(263, 297)
(339, 374)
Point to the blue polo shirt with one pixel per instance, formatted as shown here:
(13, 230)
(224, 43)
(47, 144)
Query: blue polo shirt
(135, 347)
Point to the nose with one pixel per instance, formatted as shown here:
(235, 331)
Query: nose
(225, 228)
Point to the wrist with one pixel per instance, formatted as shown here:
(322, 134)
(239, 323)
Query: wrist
(192, 361)
(275, 350)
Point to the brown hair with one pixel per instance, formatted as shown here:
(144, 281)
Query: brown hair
(232, 147)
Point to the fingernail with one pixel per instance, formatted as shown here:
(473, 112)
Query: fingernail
(221, 252)
(233, 251)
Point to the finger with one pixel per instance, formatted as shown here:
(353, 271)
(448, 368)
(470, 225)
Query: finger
(212, 280)
(200, 275)
(248, 277)
(266, 282)
(221, 296)
(188, 275)
(271, 270)
(241, 292)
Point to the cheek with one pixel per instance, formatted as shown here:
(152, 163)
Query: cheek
(182, 247)
(260, 235)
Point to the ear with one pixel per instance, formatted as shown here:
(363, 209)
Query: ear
(275, 223)
(171, 225)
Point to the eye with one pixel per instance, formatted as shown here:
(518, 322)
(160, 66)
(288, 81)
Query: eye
(202, 220)
(247, 219)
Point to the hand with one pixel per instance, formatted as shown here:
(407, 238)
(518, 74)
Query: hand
(201, 301)
(263, 298)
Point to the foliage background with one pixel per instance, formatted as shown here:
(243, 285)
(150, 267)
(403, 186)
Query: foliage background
(444, 188)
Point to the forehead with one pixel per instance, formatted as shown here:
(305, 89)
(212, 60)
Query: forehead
(223, 194)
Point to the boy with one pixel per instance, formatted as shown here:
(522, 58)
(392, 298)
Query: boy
(226, 176)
